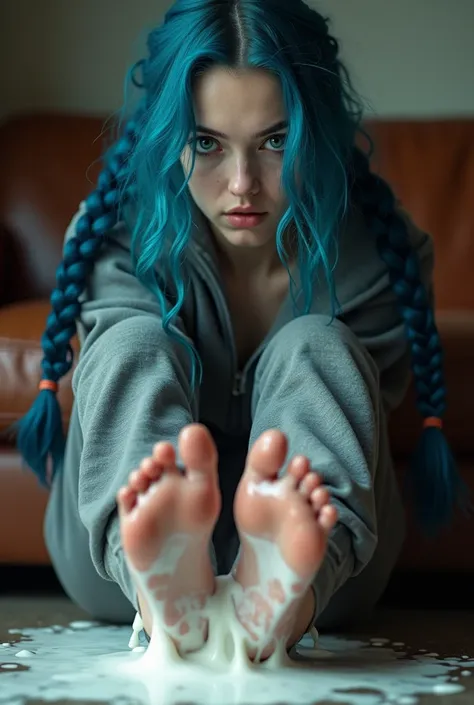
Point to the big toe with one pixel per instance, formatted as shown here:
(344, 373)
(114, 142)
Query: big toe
(268, 454)
(198, 450)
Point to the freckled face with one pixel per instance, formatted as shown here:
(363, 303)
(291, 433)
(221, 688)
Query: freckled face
(242, 164)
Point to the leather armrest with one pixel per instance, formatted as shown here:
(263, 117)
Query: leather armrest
(21, 327)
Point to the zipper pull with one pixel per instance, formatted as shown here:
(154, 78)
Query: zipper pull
(239, 385)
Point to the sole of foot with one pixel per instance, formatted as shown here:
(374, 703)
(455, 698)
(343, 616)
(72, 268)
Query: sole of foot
(166, 521)
(284, 523)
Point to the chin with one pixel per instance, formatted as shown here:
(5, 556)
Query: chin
(245, 238)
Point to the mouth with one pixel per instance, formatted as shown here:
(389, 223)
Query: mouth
(245, 220)
(244, 213)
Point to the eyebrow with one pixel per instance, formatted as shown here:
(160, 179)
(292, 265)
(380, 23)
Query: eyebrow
(283, 124)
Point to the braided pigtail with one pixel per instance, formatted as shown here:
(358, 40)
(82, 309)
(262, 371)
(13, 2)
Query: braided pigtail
(435, 482)
(40, 432)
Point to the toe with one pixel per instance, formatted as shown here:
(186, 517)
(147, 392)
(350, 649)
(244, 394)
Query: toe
(328, 517)
(267, 455)
(138, 480)
(164, 456)
(153, 471)
(198, 451)
(126, 499)
(299, 468)
(319, 498)
(309, 483)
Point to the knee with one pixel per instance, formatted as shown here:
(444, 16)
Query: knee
(313, 331)
(317, 337)
(317, 347)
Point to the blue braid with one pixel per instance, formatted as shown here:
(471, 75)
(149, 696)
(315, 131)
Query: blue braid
(40, 433)
(434, 479)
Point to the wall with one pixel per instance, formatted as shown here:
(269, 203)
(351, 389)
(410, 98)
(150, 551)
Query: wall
(409, 58)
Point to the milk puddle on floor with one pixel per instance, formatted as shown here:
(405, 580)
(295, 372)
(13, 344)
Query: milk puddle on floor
(89, 662)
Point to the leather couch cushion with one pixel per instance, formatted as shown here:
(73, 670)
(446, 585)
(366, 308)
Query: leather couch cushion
(23, 504)
(21, 327)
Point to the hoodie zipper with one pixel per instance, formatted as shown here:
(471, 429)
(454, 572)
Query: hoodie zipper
(239, 384)
(205, 270)
(239, 377)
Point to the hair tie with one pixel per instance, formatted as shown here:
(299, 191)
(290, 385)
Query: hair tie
(433, 422)
(49, 385)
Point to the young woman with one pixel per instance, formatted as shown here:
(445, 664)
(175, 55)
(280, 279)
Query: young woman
(249, 299)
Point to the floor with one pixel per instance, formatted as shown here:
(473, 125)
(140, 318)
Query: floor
(423, 637)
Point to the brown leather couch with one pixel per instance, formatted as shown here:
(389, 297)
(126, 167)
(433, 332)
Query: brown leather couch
(45, 172)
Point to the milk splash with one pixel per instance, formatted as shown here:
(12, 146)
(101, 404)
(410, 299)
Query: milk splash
(82, 662)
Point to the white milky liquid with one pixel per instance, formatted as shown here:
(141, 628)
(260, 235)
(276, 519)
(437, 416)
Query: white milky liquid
(225, 651)
(224, 654)
(447, 689)
(93, 664)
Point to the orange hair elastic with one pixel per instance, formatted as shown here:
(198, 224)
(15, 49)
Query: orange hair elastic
(49, 385)
(433, 422)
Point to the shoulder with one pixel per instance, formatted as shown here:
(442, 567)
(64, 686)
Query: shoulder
(360, 271)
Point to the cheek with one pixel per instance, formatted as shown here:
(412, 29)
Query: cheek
(206, 175)
(270, 174)
(203, 188)
(273, 186)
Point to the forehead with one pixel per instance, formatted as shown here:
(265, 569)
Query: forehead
(239, 102)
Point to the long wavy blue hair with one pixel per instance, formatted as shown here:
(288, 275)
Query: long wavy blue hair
(143, 183)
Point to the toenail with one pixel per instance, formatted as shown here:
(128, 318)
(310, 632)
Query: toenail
(267, 441)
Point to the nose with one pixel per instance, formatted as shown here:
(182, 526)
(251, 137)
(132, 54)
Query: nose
(244, 177)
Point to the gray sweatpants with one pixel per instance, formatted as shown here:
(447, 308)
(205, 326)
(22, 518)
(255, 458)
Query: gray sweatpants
(317, 384)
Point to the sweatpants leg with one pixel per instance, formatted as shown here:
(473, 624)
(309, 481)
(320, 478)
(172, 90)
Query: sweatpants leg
(132, 389)
(318, 384)
(67, 542)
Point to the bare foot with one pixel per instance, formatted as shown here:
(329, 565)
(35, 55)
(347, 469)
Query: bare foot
(167, 519)
(283, 526)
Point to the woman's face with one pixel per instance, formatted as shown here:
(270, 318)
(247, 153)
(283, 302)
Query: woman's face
(239, 154)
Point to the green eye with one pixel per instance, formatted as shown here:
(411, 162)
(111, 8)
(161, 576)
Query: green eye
(198, 142)
(282, 138)
(201, 140)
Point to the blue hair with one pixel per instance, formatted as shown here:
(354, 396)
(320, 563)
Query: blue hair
(143, 183)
